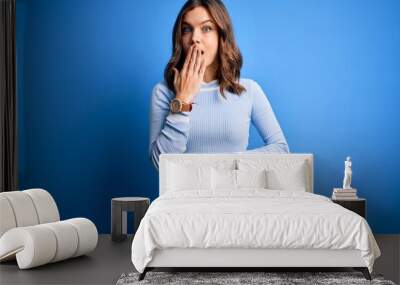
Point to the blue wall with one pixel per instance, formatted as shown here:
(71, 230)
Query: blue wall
(86, 69)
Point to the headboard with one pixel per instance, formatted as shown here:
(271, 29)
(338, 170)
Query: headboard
(232, 160)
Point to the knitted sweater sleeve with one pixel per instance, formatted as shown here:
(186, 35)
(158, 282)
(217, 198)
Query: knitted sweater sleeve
(168, 132)
(263, 118)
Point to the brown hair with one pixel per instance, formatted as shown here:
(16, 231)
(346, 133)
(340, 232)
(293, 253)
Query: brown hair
(229, 56)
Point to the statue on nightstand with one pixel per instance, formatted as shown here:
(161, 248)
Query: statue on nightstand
(347, 173)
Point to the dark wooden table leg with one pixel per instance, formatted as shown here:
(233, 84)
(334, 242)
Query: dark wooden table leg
(118, 222)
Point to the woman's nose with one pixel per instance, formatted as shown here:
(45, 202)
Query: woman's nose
(196, 37)
(195, 41)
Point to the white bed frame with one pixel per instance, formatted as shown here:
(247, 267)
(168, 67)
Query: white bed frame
(245, 258)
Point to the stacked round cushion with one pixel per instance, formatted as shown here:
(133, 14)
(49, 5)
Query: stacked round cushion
(31, 230)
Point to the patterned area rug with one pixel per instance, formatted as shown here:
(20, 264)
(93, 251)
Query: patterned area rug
(230, 278)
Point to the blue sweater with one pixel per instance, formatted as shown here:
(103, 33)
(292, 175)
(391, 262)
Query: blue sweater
(215, 124)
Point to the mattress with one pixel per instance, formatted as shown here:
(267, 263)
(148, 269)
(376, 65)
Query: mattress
(250, 219)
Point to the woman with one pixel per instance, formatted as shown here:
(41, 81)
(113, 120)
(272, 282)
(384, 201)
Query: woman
(203, 106)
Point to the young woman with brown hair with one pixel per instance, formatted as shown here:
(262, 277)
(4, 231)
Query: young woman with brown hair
(203, 106)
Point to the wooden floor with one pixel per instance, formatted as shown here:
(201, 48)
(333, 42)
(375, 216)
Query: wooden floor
(111, 259)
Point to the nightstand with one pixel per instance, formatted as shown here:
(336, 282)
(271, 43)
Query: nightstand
(358, 206)
(119, 209)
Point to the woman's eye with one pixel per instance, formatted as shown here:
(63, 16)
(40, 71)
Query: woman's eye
(207, 29)
(185, 30)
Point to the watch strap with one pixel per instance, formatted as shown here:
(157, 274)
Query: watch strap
(186, 107)
(183, 107)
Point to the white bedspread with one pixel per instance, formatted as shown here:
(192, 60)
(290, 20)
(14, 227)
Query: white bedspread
(250, 218)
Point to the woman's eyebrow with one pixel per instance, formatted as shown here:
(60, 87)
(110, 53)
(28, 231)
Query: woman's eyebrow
(186, 23)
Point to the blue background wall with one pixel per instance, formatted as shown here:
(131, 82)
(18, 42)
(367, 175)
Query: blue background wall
(86, 69)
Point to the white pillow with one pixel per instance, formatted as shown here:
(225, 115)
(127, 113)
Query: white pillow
(293, 179)
(282, 174)
(237, 179)
(251, 178)
(223, 179)
(188, 177)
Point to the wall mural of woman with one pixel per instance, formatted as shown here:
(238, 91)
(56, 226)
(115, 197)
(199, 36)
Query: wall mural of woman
(203, 105)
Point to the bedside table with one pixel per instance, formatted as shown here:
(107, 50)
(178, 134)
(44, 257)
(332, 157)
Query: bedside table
(119, 209)
(358, 206)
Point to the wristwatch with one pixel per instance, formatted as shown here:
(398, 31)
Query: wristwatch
(177, 106)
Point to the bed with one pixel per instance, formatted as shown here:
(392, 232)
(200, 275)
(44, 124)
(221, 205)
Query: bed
(247, 210)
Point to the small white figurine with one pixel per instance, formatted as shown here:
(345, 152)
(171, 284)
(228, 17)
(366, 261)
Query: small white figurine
(347, 173)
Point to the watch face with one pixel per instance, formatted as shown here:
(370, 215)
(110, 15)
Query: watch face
(175, 106)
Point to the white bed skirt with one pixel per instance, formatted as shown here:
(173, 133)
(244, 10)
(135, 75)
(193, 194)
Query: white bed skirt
(192, 257)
